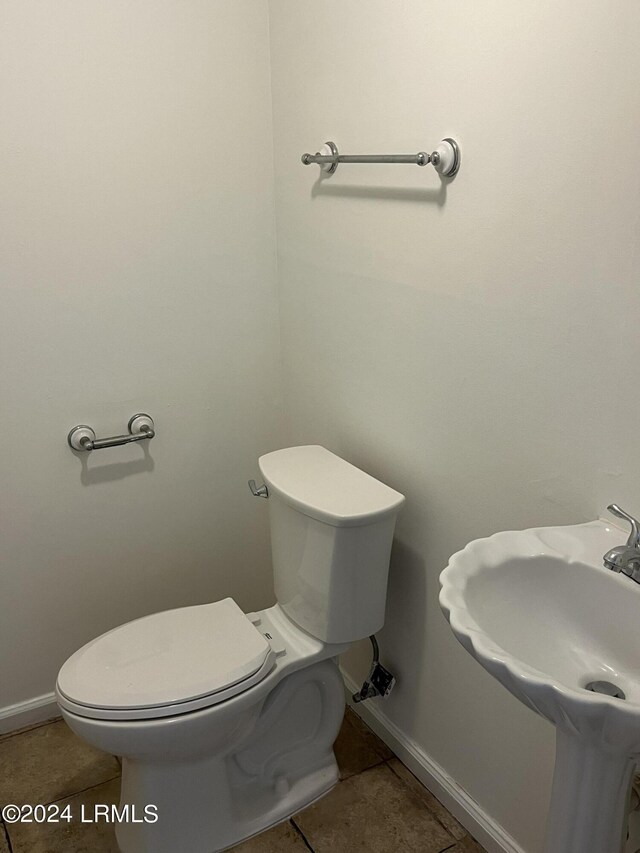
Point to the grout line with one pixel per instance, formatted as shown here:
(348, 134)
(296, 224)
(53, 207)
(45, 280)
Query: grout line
(59, 800)
(88, 788)
(386, 762)
(5, 832)
(301, 834)
(83, 790)
(26, 729)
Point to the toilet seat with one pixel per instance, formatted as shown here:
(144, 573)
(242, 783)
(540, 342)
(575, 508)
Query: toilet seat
(165, 664)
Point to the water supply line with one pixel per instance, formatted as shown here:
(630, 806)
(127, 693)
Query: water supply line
(379, 682)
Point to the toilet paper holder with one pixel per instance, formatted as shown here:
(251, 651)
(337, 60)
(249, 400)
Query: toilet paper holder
(83, 438)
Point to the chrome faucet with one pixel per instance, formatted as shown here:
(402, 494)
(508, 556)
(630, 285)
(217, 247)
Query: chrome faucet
(625, 558)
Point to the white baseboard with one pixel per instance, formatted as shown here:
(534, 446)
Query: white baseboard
(14, 717)
(487, 831)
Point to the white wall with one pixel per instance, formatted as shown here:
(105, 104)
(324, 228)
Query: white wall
(138, 274)
(473, 344)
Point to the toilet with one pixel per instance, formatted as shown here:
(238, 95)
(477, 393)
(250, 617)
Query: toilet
(225, 721)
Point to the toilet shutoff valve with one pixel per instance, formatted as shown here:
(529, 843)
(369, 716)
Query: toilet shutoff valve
(380, 682)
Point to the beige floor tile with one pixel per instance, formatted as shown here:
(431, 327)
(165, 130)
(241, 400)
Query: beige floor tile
(354, 751)
(74, 837)
(4, 847)
(373, 812)
(369, 735)
(49, 763)
(434, 805)
(281, 839)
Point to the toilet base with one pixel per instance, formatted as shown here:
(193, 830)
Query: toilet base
(197, 835)
(281, 763)
(309, 794)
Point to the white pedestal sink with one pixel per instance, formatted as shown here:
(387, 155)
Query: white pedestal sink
(540, 612)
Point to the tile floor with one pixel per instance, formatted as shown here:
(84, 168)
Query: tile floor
(378, 807)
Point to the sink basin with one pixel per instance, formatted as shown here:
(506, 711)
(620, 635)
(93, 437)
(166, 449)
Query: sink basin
(538, 610)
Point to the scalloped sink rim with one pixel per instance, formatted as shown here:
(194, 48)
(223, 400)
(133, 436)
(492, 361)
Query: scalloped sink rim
(613, 722)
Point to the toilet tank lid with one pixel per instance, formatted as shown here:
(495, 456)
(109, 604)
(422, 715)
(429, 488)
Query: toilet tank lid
(323, 486)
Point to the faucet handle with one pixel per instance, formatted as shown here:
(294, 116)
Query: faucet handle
(634, 537)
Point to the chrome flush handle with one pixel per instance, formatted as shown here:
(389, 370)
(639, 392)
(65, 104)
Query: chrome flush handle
(258, 492)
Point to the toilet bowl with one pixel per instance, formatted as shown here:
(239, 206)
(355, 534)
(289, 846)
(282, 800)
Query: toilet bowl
(232, 767)
(225, 721)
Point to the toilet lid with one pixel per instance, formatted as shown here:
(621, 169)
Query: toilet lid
(167, 659)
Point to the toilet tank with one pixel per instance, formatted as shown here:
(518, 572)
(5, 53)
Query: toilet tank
(331, 533)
